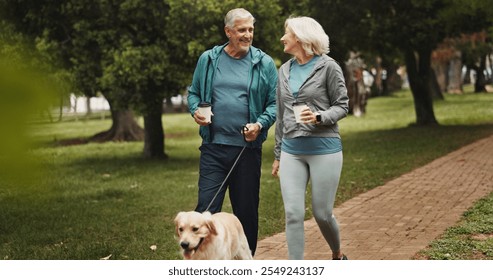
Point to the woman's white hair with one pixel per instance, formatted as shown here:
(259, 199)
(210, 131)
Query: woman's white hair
(238, 13)
(310, 33)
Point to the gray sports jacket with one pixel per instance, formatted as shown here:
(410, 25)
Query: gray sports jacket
(324, 91)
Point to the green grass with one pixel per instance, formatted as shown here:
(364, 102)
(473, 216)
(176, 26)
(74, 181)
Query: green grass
(470, 239)
(95, 200)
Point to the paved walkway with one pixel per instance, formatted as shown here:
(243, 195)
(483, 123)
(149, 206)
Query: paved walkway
(396, 220)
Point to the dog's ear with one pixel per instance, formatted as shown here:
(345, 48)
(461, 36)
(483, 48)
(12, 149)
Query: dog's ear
(210, 222)
(177, 219)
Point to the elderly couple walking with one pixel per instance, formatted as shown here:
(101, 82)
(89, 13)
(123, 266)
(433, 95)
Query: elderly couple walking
(248, 94)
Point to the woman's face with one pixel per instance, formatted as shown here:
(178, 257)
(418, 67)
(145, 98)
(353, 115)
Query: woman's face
(291, 45)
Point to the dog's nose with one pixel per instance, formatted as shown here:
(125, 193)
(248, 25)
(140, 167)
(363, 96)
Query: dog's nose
(184, 245)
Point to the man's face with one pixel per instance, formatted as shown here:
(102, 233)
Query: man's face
(241, 35)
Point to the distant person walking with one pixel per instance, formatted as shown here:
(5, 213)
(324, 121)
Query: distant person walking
(308, 145)
(239, 81)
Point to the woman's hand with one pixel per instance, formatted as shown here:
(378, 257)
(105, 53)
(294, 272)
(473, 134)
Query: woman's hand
(308, 117)
(275, 168)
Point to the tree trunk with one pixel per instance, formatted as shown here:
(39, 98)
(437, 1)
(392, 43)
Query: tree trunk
(60, 110)
(455, 74)
(480, 84)
(123, 128)
(378, 77)
(88, 106)
(349, 86)
(154, 133)
(434, 86)
(440, 69)
(419, 73)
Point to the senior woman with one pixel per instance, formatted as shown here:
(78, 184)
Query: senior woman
(311, 148)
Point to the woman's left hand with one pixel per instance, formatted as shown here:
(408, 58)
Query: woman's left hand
(275, 168)
(308, 117)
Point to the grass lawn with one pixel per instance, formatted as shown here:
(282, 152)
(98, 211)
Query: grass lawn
(470, 239)
(98, 200)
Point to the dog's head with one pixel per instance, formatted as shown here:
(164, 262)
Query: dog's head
(193, 230)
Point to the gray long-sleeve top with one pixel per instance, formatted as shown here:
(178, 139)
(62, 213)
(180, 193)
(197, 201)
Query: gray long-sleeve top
(324, 91)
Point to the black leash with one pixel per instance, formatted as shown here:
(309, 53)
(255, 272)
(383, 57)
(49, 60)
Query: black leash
(244, 128)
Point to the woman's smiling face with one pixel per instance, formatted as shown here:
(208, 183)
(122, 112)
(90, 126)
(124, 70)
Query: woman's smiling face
(291, 44)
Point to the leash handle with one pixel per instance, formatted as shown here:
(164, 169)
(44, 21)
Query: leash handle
(243, 129)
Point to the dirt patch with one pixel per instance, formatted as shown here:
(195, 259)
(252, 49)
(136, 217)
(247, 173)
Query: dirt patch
(419, 256)
(482, 237)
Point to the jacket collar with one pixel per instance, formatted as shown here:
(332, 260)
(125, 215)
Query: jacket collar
(257, 54)
(320, 63)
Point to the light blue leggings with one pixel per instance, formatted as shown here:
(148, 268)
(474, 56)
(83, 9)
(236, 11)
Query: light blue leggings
(324, 172)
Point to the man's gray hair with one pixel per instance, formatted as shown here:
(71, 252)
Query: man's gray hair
(238, 13)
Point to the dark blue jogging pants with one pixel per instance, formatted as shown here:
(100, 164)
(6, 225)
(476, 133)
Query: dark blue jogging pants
(243, 183)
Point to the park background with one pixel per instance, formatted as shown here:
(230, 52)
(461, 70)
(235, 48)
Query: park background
(107, 184)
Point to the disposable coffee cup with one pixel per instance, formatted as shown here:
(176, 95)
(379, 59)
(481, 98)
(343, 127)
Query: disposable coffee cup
(298, 107)
(205, 109)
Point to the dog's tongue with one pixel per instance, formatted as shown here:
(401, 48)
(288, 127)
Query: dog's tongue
(188, 253)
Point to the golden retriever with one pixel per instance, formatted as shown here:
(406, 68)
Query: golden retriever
(203, 236)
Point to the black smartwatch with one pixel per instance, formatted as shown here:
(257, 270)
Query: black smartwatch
(318, 117)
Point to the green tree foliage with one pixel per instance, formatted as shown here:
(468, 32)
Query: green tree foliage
(409, 29)
(69, 32)
(135, 52)
(138, 52)
(199, 25)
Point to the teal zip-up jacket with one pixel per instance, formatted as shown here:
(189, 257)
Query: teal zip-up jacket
(262, 81)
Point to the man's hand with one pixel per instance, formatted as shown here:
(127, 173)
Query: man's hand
(200, 119)
(252, 132)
